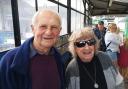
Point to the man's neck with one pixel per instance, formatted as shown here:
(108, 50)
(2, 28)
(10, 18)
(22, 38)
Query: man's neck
(41, 50)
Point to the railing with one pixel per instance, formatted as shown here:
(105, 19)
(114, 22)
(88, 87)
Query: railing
(62, 43)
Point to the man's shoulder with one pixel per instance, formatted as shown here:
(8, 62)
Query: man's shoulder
(105, 29)
(95, 29)
(55, 51)
(8, 57)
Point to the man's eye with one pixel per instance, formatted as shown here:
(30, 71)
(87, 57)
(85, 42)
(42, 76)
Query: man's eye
(54, 27)
(43, 27)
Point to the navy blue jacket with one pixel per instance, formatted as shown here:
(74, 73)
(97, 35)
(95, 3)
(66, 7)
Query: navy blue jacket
(14, 68)
(100, 35)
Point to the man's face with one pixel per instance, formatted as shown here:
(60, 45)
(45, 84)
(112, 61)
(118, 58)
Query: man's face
(46, 30)
(101, 26)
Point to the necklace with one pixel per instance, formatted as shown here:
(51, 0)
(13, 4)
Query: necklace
(96, 85)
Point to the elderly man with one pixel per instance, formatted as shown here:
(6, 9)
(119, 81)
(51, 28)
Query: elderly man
(36, 64)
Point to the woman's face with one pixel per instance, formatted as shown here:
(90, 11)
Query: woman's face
(85, 49)
(113, 28)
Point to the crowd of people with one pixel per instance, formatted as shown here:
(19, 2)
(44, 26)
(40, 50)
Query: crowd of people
(90, 63)
(116, 47)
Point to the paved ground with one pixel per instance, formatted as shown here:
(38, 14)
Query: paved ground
(126, 84)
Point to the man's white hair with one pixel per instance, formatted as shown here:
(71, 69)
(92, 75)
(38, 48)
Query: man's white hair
(45, 10)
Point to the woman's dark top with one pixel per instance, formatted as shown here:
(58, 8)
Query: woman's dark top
(95, 69)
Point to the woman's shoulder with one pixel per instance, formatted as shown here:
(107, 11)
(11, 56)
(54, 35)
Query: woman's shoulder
(104, 59)
(102, 54)
(72, 68)
(72, 63)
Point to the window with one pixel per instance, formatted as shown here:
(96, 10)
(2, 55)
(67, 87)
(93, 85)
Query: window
(78, 5)
(77, 21)
(63, 1)
(63, 14)
(26, 12)
(6, 26)
(47, 4)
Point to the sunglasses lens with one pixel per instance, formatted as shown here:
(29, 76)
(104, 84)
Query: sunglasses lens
(80, 44)
(91, 42)
(83, 43)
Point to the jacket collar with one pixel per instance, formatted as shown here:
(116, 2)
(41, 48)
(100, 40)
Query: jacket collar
(22, 57)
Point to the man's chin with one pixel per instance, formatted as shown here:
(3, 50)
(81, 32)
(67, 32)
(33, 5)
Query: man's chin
(47, 45)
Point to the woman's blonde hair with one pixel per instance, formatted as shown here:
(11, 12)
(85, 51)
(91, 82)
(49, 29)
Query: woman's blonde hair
(126, 43)
(111, 26)
(85, 33)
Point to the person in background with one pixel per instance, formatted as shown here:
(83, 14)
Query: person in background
(100, 32)
(36, 64)
(114, 40)
(123, 59)
(89, 68)
(95, 26)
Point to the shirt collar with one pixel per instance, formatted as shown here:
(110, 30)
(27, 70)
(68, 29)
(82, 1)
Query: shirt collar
(33, 52)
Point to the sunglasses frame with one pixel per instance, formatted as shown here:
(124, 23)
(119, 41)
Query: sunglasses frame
(82, 43)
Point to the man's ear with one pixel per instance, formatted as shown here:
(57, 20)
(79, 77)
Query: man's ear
(32, 27)
(60, 28)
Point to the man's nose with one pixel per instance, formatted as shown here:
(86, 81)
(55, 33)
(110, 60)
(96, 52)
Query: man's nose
(48, 30)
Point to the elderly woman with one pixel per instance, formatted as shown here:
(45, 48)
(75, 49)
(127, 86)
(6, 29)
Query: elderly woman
(89, 69)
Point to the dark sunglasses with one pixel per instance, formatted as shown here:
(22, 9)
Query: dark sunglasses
(82, 43)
